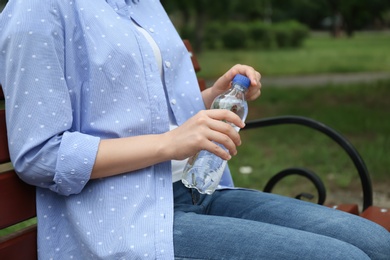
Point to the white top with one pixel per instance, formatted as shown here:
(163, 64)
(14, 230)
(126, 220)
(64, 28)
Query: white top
(177, 165)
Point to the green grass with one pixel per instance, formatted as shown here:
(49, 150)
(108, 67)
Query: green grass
(320, 54)
(359, 112)
(20, 226)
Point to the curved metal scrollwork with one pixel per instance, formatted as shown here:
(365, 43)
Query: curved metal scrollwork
(335, 136)
(319, 185)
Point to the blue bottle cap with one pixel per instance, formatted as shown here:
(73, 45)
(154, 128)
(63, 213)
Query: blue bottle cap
(242, 80)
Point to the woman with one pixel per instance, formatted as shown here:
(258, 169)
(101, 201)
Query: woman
(103, 108)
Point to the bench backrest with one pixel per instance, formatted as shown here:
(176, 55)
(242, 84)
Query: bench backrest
(17, 204)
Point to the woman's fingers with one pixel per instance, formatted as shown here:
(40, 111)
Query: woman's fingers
(254, 76)
(219, 129)
(224, 115)
(229, 138)
(203, 131)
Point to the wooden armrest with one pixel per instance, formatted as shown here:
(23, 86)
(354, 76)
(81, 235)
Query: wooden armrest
(379, 215)
(350, 208)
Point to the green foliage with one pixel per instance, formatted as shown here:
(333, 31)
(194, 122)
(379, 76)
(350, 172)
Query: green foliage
(235, 36)
(294, 33)
(257, 34)
(188, 32)
(213, 36)
(262, 35)
(358, 14)
(386, 17)
(282, 35)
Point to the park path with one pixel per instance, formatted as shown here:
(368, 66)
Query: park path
(320, 79)
(323, 79)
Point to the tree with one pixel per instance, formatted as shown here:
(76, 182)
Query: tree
(357, 14)
(196, 14)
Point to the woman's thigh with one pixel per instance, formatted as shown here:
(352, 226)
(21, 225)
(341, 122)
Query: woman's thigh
(198, 236)
(230, 221)
(296, 215)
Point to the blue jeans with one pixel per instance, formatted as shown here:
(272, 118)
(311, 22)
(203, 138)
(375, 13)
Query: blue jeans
(247, 224)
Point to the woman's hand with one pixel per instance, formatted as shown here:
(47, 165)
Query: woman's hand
(199, 132)
(223, 84)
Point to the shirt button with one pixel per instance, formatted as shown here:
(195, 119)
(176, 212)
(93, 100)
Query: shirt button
(173, 101)
(167, 64)
(151, 30)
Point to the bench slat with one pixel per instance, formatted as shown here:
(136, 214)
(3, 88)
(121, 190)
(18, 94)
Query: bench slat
(17, 200)
(350, 208)
(20, 245)
(195, 63)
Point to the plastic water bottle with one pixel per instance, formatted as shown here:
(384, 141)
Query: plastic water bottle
(204, 170)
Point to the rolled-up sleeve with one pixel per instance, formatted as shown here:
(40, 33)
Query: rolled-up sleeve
(75, 160)
(47, 147)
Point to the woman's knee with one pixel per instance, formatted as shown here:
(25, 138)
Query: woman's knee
(377, 242)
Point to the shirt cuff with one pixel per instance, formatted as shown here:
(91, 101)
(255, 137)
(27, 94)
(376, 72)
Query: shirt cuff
(75, 161)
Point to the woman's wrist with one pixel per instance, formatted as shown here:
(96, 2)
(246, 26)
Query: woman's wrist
(209, 95)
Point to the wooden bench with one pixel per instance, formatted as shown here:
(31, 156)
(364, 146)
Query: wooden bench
(17, 204)
(17, 199)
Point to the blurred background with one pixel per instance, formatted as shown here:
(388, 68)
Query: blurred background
(326, 59)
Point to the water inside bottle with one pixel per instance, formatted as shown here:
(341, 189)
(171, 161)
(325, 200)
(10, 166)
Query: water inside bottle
(233, 104)
(197, 172)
